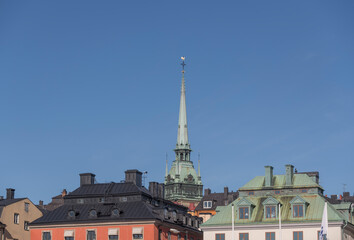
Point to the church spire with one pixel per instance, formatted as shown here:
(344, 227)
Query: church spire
(182, 135)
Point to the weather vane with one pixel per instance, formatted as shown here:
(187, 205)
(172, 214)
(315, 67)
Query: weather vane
(183, 64)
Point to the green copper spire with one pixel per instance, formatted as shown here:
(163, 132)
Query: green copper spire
(182, 183)
(182, 134)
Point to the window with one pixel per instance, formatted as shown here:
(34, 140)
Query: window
(207, 204)
(298, 236)
(113, 234)
(298, 210)
(304, 190)
(277, 192)
(270, 212)
(26, 207)
(243, 236)
(270, 236)
(169, 236)
(243, 214)
(80, 201)
(69, 235)
(160, 234)
(251, 193)
(220, 236)
(26, 225)
(179, 236)
(138, 233)
(91, 235)
(46, 236)
(16, 218)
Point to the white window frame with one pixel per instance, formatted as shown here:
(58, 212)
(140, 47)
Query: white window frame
(137, 230)
(16, 218)
(207, 204)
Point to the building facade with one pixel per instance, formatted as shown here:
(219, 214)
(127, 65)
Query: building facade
(211, 201)
(15, 216)
(293, 200)
(112, 211)
(183, 184)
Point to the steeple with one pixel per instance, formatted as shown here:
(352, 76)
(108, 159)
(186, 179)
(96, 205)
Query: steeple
(182, 135)
(182, 183)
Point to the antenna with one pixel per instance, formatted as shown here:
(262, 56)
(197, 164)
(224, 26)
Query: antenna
(344, 187)
(144, 177)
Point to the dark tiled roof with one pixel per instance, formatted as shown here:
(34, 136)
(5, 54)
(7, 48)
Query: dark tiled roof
(6, 202)
(107, 189)
(128, 211)
(2, 225)
(218, 199)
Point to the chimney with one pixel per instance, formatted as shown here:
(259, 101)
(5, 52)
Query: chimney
(333, 197)
(154, 189)
(346, 194)
(134, 176)
(268, 176)
(63, 193)
(226, 192)
(161, 190)
(41, 203)
(289, 173)
(207, 191)
(10, 193)
(87, 179)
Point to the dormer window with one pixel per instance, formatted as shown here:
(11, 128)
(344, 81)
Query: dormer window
(244, 212)
(271, 212)
(245, 208)
(298, 211)
(298, 207)
(71, 214)
(165, 213)
(115, 212)
(93, 213)
(270, 208)
(251, 193)
(207, 204)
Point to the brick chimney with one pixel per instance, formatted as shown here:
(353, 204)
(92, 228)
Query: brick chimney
(268, 176)
(226, 192)
(134, 176)
(346, 194)
(333, 197)
(10, 193)
(207, 191)
(87, 179)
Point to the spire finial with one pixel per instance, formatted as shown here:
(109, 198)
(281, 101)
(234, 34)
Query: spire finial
(183, 64)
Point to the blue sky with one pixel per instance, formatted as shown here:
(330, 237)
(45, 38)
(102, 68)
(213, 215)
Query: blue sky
(94, 87)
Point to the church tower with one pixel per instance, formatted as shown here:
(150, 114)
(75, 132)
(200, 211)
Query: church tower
(182, 183)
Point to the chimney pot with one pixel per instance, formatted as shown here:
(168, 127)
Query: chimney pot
(10, 193)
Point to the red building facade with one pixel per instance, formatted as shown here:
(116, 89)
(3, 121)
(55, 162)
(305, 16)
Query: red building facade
(117, 211)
